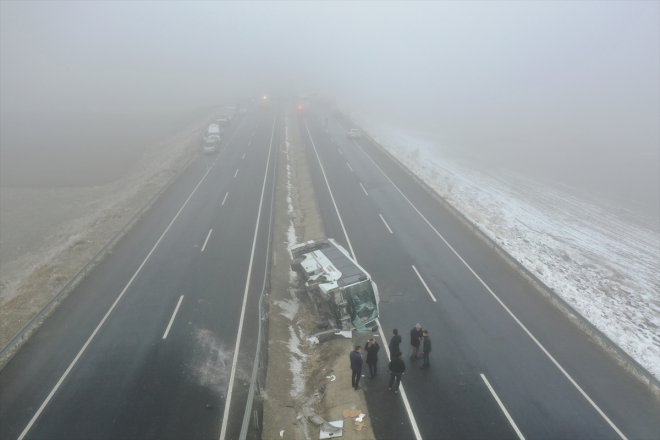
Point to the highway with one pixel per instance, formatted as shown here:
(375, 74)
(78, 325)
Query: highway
(158, 341)
(506, 364)
(160, 336)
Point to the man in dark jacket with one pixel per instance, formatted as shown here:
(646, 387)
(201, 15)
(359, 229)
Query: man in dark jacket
(397, 367)
(415, 337)
(372, 356)
(426, 348)
(356, 366)
(395, 342)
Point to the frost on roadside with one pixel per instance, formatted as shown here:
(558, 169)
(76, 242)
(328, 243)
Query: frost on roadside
(289, 308)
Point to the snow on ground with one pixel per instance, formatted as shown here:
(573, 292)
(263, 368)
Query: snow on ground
(596, 257)
(297, 359)
(210, 363)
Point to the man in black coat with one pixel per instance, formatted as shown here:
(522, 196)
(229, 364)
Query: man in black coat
(426, 348)
(395, 342)
(415, 337)
(356, 366)
(372, 356)
(397, 367)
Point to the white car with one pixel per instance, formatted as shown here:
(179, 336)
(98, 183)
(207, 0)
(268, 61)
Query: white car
(213, 130)
(211, 144)
(354, 133)
(209, 148)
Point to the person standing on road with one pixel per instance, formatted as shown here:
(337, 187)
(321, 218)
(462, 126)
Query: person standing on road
(356, 366)
(426, 348)
(372, 356)
(397, 367)
(395, 342)
(415, 337)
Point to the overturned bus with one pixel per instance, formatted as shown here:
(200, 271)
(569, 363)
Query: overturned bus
(332, 276)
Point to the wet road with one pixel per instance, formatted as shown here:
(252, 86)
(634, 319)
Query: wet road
(505, 362)
(159, 337)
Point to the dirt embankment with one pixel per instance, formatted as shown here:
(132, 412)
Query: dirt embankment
(302, 378)
(49, 234)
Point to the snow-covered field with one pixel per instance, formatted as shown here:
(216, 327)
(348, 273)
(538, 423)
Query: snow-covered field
(596, 257)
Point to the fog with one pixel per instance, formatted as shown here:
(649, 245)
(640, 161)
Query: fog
(568, 91)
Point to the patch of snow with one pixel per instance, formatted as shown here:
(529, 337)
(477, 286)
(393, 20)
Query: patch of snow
(292, 239)
(597, 257)
(297, 361)
(289, 308)
(210, 363)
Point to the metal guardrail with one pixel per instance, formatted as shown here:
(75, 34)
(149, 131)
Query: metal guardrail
(258, 378)
(258, 381)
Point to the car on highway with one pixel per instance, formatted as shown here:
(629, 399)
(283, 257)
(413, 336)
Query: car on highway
(211, 144)
(213, 130)
(222, 120)
(354, 133)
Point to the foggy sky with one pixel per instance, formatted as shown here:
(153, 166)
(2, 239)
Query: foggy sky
(570, 88)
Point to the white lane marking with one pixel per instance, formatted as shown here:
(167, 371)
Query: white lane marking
(513, 316)
(386, 225)
(243, 156)
(225, 416)
(402, 389)
(107, 314)
(176, 309)
(224, 199)
(364, 190)
(424, 283)
(236, 173)
(404, 396)
(250, 143)
(506, 413)
(332, 197)
(341, 153)
(349, 166)
(207, 239)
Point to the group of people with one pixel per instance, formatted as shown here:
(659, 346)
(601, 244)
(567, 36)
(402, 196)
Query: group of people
(419, 338)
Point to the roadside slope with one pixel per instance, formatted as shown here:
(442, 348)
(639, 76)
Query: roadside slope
(95, 218)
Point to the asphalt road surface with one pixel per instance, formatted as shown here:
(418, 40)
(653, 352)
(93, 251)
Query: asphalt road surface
(159, 340)
(145, 347)
(505, 363)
